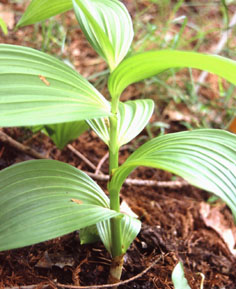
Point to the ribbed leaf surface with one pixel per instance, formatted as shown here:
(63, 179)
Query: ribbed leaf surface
(62, 133)
(147, 64)
(130, 229)
(39, 10)
(133, 116)
(107, 26)
(206, 158)
(44, 199)
(36, 88)
(101, 127)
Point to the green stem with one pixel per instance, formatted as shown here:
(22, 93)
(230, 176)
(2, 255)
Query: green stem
(116, 233)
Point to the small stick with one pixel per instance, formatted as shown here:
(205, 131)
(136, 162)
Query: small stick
(104, 158)
(101, 162)
(82, 157)
(100, 177)
(112, 285)
(148, 183)
(26, 149)
(92, 286)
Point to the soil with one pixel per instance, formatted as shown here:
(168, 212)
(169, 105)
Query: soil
(173, 227)
(172, 230)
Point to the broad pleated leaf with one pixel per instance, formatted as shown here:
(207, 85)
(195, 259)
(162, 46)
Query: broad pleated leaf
(39, 10)
(107, 26)
(44, 199)
(36, 88)
(130, 229)
(133, 116)
(147, 64)
(178, 279)
(62, 133)
(206, 158)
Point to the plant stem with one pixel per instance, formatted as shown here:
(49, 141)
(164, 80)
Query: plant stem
(116, 233)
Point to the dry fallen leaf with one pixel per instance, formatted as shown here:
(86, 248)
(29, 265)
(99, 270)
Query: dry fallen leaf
(178, 112)
(214, 218)
(44, 80)
(60, 260)
(77, 201)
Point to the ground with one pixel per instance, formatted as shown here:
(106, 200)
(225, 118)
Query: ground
(178, 224)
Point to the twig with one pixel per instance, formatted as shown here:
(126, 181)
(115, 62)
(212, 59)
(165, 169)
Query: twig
(101, 177)
(112, 285)
(92, 286)
(224, 37)
(101, 162)
(104, 158)
(78, 154)
(148, 183)
(26, 149)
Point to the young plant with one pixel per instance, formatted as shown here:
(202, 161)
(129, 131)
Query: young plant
(44, 199)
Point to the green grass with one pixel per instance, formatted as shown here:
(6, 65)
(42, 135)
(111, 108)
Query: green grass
(193, 25)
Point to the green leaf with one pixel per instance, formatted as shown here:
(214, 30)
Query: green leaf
(89, 235)
(130, 229)
(178, 279)
(147, 64)
(206, 158)
(107, 26)
(36, 88)
(133, 116)
(39, 10)
(3, 26)
(101, 127)
(44, 199)
(62, 133)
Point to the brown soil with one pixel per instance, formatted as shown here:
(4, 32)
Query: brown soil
(172, 230)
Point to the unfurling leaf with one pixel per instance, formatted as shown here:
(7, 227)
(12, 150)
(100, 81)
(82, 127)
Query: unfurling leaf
(133, 116)
(107, 26)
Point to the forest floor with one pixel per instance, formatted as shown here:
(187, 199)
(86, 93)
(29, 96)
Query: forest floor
(178, 224)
